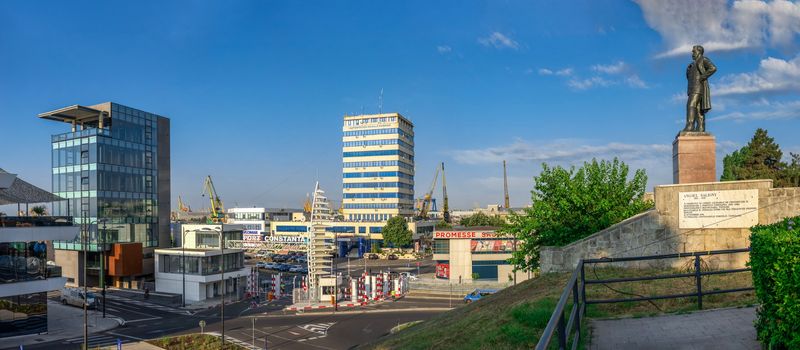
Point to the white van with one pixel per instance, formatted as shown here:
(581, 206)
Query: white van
(74, 296)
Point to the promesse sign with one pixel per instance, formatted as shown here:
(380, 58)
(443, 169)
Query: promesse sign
(464, 234)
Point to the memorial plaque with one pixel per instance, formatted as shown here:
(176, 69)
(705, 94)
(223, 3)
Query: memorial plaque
(718, 209)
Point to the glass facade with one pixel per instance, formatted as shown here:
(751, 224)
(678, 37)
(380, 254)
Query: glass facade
(23, 261)
(23, 314)
(200, 265)
(399, 174)
(109, 174)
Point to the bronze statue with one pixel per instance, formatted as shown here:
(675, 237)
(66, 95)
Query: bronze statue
(699, 100)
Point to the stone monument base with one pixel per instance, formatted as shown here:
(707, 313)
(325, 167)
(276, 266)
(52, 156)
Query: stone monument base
(694, 158)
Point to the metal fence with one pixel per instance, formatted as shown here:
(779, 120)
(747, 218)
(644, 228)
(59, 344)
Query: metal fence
(567, 328)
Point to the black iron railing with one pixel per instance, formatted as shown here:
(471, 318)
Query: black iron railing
(565, 329)
(34, 221)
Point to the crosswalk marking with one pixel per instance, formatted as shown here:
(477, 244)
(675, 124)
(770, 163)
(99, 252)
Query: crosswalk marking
(241, 343)
(97, 341)
(146, 304)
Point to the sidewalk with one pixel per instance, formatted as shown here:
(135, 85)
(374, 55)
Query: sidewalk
(64, 321)
(728, 329)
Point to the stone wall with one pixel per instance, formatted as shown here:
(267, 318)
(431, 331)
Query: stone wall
(657, 231)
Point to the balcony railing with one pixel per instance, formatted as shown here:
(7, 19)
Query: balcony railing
(21, 269)
(35, 221)
(81, 133)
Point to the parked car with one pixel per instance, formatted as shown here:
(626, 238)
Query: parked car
(296, 268)
(409, 276)
(74, 296)
(392, 257)
(372, 256)
(247, 257)
(270, 266)
(478, 294)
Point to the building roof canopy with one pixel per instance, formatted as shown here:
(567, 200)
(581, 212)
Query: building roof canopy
(76, 113)
(21, 191)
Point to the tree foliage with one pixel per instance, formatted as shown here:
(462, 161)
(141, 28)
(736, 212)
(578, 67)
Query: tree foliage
(775, 260)
(442, 225)
(481, 219)
(761, 158)
(396, 232)
(39, 210)
(570, 204)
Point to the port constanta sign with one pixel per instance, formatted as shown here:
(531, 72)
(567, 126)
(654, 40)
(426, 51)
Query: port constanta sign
(465, 234)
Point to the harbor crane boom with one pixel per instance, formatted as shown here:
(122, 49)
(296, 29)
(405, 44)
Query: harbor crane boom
(217, 213)
(426, 201)
(446, 206)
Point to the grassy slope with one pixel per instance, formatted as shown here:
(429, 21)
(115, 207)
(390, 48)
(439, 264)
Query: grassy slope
(514, 317)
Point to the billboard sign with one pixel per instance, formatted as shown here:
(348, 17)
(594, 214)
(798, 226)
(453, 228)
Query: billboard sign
(464, 234)
(443, 270)
(492, 246)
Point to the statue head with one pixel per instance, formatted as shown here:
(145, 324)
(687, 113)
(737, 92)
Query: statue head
(697, 51)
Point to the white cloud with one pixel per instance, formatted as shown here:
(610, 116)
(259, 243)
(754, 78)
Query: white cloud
(634, 81)
(605, 75)
(768, 111)
(722, 26)
(561, 72)
(656, 159)
(772, 75)
(615, 68)
(584, 84)
(499, 41)
(444, 49)
(568, 151)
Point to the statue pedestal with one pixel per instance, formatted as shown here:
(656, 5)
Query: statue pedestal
(694, 158)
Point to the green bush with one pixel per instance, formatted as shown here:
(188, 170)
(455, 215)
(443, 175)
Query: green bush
(775, 260)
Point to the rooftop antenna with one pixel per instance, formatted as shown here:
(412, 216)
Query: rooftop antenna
(380, 103)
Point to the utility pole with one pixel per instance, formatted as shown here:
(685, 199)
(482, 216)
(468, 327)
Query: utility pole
(505, 185)
(103, 267)
(222, 279)
(85, 289)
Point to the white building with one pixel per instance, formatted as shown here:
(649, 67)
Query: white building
(25, 274)
(202, 277)
(378, 167)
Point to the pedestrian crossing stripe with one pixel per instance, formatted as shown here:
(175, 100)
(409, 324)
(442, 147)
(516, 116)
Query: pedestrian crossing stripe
(146, 304)
(97, 341)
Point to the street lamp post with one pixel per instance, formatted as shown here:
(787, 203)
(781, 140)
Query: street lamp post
(103, 266)
(222, 278)
(85, 242)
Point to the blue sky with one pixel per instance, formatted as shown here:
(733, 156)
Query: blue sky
(256, 90)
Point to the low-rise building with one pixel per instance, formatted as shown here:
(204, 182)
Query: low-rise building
(26, 274)
(464, 254)
(202, 268)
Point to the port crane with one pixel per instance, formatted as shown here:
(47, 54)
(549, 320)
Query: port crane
(445, 205)
(183, 207)
(425, 206)
(217, 213)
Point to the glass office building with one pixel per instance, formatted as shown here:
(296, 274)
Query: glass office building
(112, 168)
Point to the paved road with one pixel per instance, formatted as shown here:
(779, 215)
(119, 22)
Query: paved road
(724, 329)
(283, 330)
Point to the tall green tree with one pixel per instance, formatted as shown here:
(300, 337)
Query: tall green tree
(759, 159)
(396, 232)
(570, 204)
(793, 171)
(481, 219)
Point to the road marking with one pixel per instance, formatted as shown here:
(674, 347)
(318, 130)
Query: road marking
(143, 319)
(128, 336)
(319, 328)
(293, 333)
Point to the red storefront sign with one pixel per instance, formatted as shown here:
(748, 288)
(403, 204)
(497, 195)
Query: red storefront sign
(443, 270)
(464, 234)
